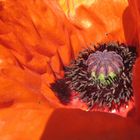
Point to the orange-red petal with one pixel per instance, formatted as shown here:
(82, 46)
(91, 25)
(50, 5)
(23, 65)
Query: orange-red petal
(37, 38)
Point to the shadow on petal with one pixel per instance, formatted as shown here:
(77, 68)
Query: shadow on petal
(136, 85)
(79, 125)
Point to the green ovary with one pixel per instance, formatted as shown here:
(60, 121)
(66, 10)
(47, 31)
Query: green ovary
(103, 79)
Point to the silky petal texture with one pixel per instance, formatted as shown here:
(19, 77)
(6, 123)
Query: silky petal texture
(79, 125)
(23, 121)
(37, 38)
(136, 85)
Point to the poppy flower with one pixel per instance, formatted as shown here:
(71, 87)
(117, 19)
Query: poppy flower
(37, 40)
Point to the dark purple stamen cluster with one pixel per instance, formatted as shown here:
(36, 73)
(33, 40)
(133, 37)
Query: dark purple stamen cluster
(112, 96)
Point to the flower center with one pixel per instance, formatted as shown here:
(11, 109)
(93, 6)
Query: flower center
(105, 67)
(100, 78)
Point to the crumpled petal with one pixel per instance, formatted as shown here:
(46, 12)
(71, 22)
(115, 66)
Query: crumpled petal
(97, 20)
(23, 110)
